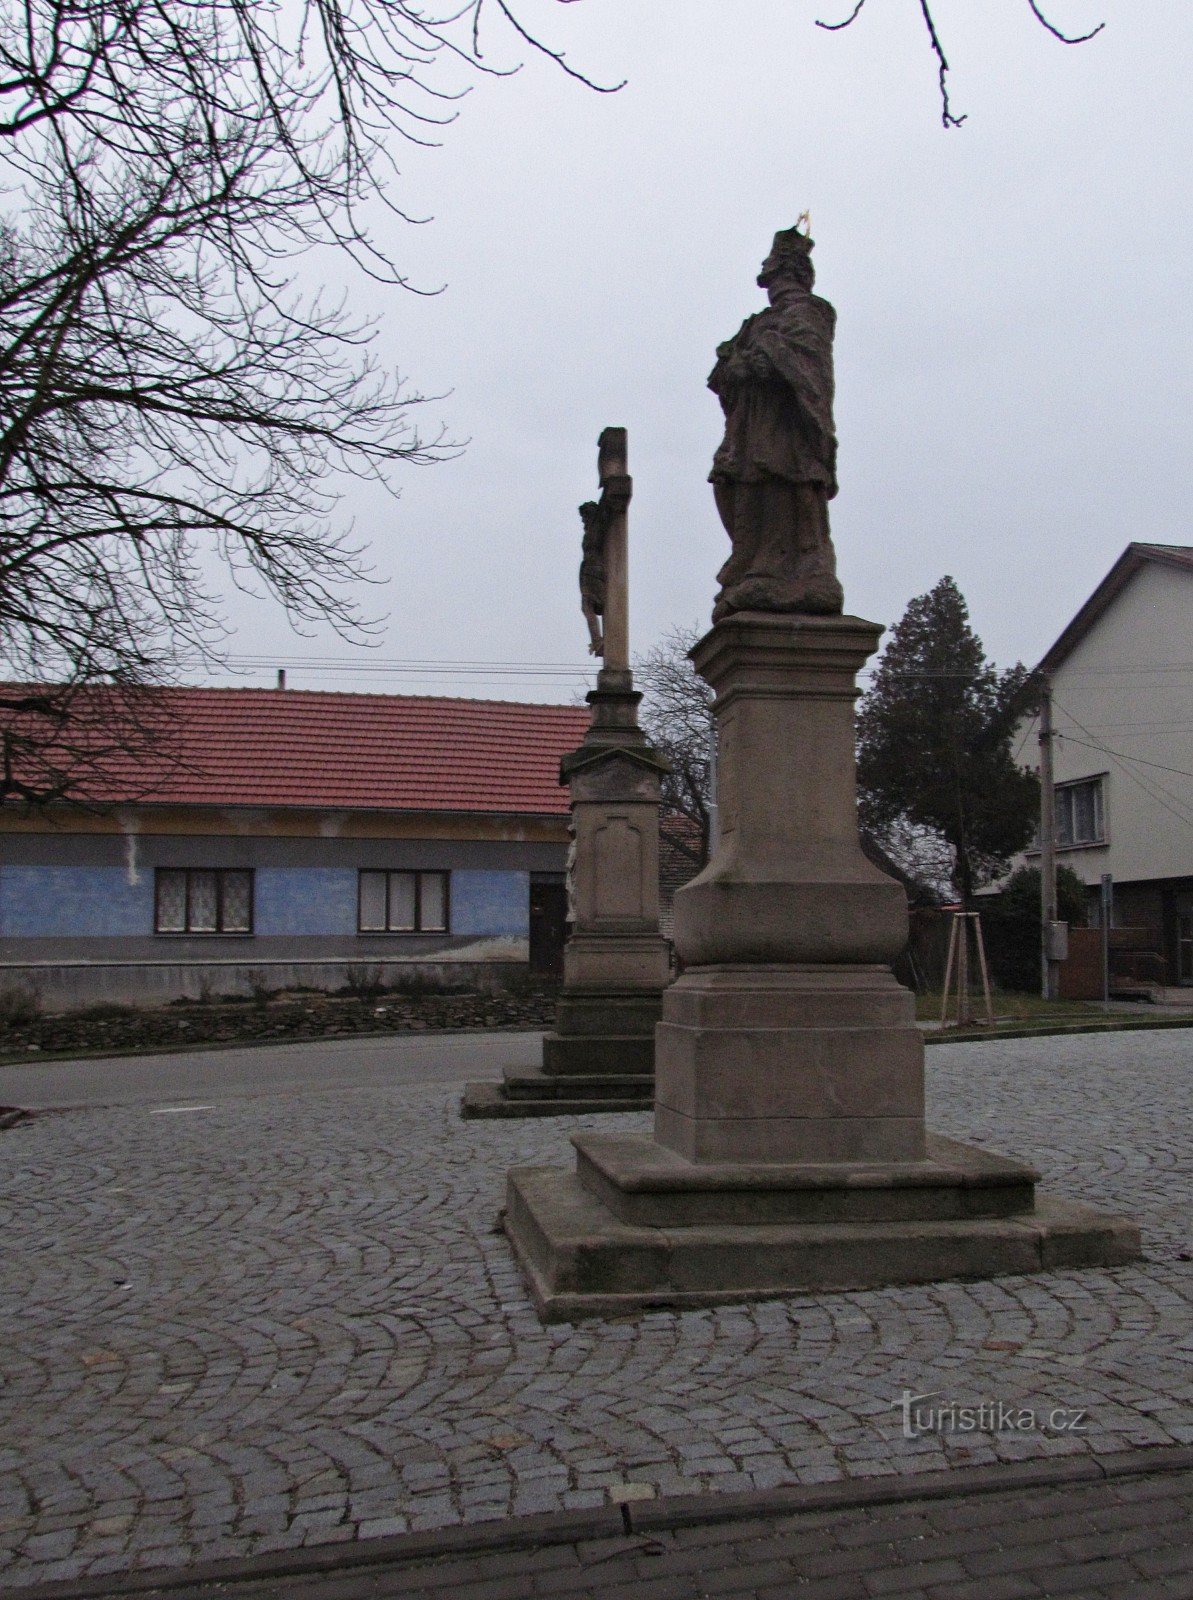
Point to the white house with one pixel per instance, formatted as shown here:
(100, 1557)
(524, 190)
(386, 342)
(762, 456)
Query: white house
(1122, 695)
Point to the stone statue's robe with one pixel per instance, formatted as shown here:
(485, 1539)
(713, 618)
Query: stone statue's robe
(779, 425)
(776, 467)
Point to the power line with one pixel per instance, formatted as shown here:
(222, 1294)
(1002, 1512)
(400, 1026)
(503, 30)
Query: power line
(1181, 816)
(1141, 761)
(414, 667)
(1132, 669)
(1134, 726)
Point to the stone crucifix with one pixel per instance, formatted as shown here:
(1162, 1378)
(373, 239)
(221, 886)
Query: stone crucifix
(604, 563)
(600, 1054)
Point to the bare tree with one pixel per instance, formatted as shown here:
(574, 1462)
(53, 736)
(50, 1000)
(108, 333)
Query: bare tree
(166, 390)
(676, 716)
(948, 116)
(92, 743)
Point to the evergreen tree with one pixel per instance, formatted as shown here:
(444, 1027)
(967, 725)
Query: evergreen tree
(934, 741)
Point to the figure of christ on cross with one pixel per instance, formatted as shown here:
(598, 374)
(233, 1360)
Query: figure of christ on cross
(604, 574)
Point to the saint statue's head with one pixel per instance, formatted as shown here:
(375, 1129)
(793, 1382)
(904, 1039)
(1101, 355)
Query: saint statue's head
(790, 260)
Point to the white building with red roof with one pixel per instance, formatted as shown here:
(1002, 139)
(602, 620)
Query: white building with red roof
(296, 833)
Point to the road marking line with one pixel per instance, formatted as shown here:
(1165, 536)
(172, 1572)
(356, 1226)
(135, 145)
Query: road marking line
(170, 1111)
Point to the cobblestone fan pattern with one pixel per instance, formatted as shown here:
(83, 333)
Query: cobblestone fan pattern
(287, 1321)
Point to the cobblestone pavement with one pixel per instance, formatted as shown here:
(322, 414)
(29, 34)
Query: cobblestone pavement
(288, 1321)
(1125, 1539)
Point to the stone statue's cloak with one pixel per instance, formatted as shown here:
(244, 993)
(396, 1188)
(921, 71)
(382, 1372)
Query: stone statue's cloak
(774, 380)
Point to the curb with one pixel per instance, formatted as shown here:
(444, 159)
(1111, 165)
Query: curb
(36, 1057)
(630, 1519)
(936, 1036)
(1048, 1030)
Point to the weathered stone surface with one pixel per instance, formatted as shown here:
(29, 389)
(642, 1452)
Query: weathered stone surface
(786, 1048)
(776, 468)
(581, 1261)
(603, 566)
(823, 996)
(616, 962)
(646, 1184)
(787, 1039)
(783, 1043)
(608, 1013)
(788, 883)
(708, 1137)
(614, 1054)
(723, 1073)
(537, 1095)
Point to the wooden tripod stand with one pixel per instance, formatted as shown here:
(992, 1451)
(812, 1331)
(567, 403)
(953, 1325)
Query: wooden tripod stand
(958, 959)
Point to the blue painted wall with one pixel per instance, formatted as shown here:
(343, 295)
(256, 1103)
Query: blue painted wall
(67, 902)
(100, 902)
(491, 902)
(304, 900)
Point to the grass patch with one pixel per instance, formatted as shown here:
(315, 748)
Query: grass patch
(1012, 1008)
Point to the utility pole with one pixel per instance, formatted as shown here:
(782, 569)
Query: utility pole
(1050, 967)
(1107, 908)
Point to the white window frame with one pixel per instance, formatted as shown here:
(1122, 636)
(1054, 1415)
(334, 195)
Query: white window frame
(1064, 801)
(418, 875)
(219, 931)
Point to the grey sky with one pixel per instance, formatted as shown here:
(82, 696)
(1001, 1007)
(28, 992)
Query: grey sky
(1014, 338)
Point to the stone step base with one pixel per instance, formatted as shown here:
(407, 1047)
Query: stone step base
(490, 1100)
(519, 1084)
(581, 1261)
(646, 1184)
(607, 1054)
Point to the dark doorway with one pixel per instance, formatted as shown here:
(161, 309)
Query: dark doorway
(548, 923)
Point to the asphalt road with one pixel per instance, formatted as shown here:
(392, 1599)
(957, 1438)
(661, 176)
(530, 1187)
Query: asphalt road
(214, 1075)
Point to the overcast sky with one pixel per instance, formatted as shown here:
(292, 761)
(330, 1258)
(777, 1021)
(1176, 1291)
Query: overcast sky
(1014, 335)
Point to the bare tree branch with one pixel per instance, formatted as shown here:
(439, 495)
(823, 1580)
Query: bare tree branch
(835, 27)
(166, 392)
(675, 715)
(947, 116)
(555, 55)
(1065, 38)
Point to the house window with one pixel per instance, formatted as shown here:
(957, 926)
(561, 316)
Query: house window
(1079, 817)
(203, 900)
(403, 902)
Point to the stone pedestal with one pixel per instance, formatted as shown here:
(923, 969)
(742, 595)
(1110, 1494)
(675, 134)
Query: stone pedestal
(600, 1054)
(789, 1149)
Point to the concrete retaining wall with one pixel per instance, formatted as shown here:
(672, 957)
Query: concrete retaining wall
(66, 986)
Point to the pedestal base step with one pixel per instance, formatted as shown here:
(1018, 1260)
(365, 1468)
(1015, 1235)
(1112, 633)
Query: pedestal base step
(520, 1084)
(589, 1054)
(581, 1260)
(644, 1183)
(538, 1095)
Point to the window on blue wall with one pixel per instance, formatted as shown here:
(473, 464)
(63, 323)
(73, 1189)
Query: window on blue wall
(403, 902)
(203, 900)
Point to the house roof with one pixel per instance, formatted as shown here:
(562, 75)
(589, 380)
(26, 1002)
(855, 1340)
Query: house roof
(326, 751)
(1124, 569)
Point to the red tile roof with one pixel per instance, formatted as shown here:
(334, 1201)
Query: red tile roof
(295, 747)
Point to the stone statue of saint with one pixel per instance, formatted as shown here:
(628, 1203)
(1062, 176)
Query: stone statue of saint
(776, 468)
(592, 573)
